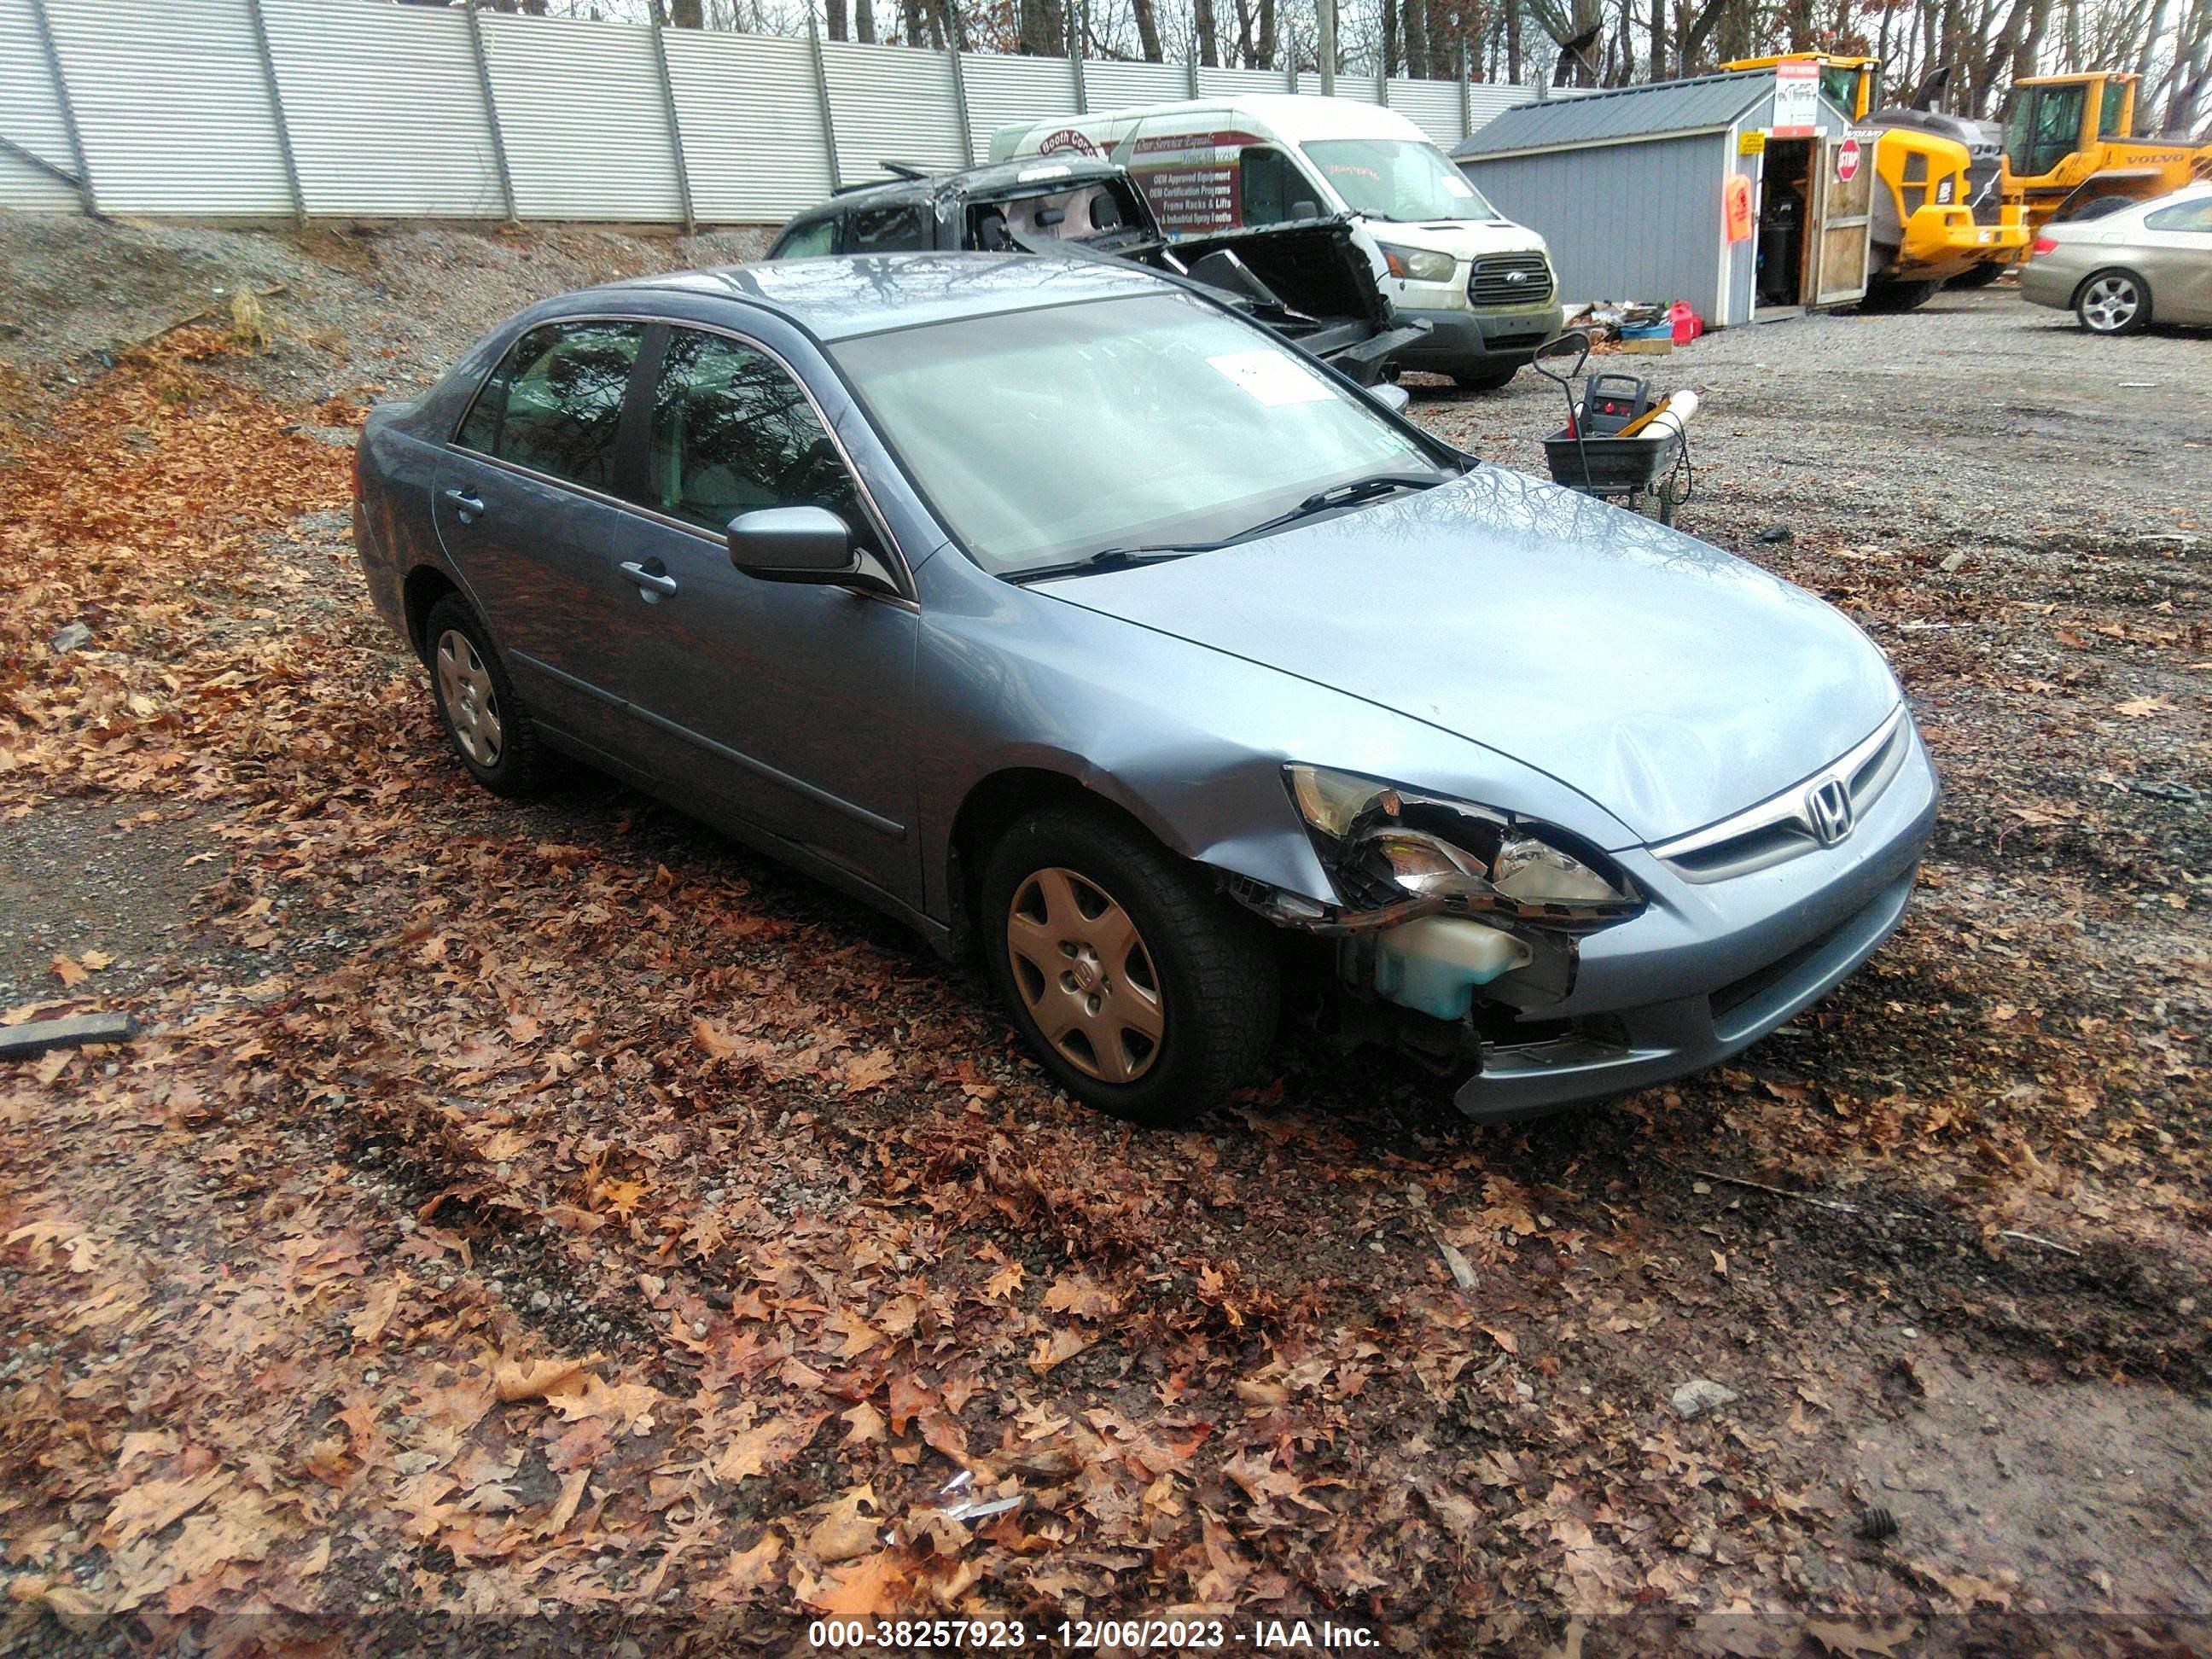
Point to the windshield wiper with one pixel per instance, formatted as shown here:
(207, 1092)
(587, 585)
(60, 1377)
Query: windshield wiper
(1343, 494)
(1114, 558)
(1124, 558)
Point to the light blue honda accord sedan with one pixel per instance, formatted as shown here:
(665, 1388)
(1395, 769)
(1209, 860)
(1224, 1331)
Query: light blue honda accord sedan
(1073, 618)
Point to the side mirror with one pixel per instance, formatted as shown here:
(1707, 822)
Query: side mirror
(793, 544)
(1392, 396)
(1562, 357)
(1306, 209)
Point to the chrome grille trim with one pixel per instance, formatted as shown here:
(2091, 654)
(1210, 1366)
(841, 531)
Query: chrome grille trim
(1492, 282)
(1781, 827)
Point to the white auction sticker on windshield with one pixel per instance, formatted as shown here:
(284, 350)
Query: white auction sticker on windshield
(1273, 378)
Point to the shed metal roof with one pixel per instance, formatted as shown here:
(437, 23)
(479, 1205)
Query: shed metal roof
(1707, 103)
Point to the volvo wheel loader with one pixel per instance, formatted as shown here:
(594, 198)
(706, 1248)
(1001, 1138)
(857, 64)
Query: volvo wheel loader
(2071, 148)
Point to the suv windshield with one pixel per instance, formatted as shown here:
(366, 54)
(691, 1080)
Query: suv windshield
(1047, 435)
(1397, 179)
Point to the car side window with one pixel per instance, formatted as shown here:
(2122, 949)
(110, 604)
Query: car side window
(2182, 216)
(733, 431)
(808, 241)
(1267, 183)
(886, 230)
(555, 401)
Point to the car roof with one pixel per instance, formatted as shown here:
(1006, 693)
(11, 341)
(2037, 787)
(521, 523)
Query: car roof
(991, 178)
(851, 295)
(1293, 115)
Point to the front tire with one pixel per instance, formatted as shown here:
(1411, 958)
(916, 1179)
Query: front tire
(2114, 302)
(1980, 275)
(1492, 379)
(1146, 993)
(490, 729)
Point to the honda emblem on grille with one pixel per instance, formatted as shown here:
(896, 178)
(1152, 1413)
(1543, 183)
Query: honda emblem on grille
(1828, 809)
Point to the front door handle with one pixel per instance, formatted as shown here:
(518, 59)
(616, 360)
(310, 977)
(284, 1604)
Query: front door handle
(466, 506)
(652, 586)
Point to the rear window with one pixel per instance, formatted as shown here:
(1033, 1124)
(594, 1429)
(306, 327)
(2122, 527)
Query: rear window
(554, 402)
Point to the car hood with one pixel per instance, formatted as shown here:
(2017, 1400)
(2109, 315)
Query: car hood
(1467, 238)
(1670, 683)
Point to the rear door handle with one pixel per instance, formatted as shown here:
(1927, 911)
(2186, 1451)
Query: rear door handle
(467, 505)
(653, 587)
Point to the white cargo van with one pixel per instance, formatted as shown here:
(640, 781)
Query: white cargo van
(1444, 255)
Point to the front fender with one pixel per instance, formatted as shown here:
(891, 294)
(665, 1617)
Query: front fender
(1190, 740)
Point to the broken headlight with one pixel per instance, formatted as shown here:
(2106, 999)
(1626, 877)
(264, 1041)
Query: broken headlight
(1383, 845)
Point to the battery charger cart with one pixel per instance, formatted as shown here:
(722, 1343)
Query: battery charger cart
(1648, 471)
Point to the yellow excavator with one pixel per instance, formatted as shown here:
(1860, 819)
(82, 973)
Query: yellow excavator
(2071, 149)
(1940, 213)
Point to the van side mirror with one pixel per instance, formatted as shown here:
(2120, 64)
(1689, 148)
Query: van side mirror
(793, 544)
(1306, 209)
(1392, 396)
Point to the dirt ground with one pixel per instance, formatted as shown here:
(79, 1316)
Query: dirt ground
(521, 1226)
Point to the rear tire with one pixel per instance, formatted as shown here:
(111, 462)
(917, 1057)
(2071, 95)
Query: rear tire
(490, 730)
(1146, 993)
(2112, 302)
(1494, 380)
(1886, 297)
(1980, 275)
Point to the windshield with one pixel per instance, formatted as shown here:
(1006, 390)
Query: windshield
(1397, 179)
(1051, 435)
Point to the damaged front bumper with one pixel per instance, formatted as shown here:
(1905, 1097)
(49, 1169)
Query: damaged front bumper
(1638, 1047)
(1546, 1017)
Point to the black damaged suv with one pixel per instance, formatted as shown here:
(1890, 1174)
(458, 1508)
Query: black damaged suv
(1307, 279)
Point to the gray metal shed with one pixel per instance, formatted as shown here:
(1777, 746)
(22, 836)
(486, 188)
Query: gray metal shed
(1629, 187)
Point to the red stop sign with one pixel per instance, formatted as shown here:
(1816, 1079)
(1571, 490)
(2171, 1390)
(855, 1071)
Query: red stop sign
(1847, 159)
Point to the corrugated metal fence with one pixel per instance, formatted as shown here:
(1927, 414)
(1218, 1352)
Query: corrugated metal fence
(364, 108)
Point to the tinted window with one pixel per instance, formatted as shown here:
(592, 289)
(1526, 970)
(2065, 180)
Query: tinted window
(732, 431)
(808, 241)
(2182, 216)
(1268, 186)
(2054, 130)
(554, 403)
(886, 230)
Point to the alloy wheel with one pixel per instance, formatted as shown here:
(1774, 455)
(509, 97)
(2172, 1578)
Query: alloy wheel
(2110, 304)
(1085, 975)
(471, 700)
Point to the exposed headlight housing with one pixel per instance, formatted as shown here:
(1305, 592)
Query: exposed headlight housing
(1422, 264)
(1383, 846)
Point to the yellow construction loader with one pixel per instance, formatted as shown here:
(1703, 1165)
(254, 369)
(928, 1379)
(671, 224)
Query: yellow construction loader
(2071, 149)
(1940, 212)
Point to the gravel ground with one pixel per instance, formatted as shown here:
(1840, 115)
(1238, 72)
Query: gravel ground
(2016, 512)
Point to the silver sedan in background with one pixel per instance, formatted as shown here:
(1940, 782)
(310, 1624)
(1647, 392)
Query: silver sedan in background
(2118, 271)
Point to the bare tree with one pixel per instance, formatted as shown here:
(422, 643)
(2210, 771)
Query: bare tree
(1148, 29)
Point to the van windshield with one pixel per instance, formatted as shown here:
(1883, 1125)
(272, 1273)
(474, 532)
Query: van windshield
(1399, 178)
